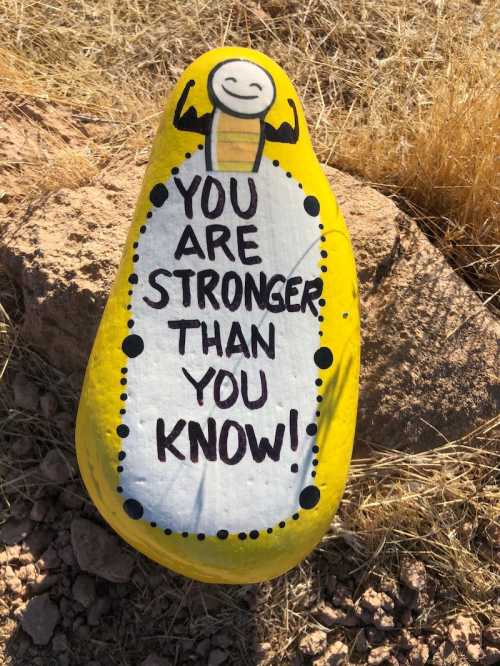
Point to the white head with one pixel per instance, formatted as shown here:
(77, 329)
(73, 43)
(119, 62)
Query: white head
(241, 88)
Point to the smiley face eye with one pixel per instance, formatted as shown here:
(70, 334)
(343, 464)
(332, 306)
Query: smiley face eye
(230, 78)
(256, 85)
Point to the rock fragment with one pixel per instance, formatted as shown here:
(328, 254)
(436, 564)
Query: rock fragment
(217, 657)
(84, 590)
(48, 405)
(100, 553)
(40, 618)
(313, 643)
(55, 467)
(378, 655)
(154, 659)
(14, 531)
(413, 574)
(335, 655)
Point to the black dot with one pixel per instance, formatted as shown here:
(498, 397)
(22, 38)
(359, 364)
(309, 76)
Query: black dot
(135, 258)
(282, 524)
(324, 269)
(168, 532)
(143, 229)
(254, 534)
(323, 239)
(124, 370)
(318, 413)
(175, 170)
(200, 146)
(152, 523)
(222, 534)
(288, 174)
(123, 381)
(313, 474)
(199, 536)
(323, 357)
(135, 245)
(133, 279)
(295, 516)
(242, 536)
(300, 185)
(149, 215)
(185, 535)
(158, 195)
(315, 462)
(311, 205)
(320, 333)
(276, 162)
(119, 489)
(315, 449)
(122, 455)
(318, 382)
(129, 307)
(324, 254)
(319, 398)
(312, 429)
(130, 323)
(321, 302)
(123, 396)
(133, 345)
(321, 226)
(345, 315)
(188, 155)
(123, 411)
(321, 318)
(119, 469)
(133, 509)
(123, 431)
(294, 468)
(269, 530)
(130, 292)
(309, 497)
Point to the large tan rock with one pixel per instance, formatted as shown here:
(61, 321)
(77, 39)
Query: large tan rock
(430, 349)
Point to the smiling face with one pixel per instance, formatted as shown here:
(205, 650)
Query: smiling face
(241, 88)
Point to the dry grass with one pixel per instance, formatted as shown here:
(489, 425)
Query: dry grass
(403, 93)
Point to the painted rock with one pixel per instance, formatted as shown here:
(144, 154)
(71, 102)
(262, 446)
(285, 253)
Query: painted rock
(217, 416)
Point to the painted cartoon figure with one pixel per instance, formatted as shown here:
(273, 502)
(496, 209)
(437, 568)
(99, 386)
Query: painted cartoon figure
(242, 93)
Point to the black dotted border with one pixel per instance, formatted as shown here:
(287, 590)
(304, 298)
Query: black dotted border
(310, 495)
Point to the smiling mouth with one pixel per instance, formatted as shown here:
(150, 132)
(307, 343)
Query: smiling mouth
(237, 96)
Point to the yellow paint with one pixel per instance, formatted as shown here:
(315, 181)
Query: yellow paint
(232, 560)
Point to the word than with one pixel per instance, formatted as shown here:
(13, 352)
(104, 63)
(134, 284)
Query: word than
(229, 444)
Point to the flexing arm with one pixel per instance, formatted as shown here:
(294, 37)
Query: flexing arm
(285, 132)
(189, 122)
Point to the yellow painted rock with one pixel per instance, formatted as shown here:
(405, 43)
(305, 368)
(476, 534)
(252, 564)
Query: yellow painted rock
(216, 421)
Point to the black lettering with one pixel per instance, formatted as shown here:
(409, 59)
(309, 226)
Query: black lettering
(185, 274)
(233, 397)
(244, 245)
(182, 325)
(275, 302)
(291, 291)
(208, 342)
(183, 249)
(263, 448)
(312, 291)
(207, 280)
(254, 292)
(163, 301)
(214, 241)
(198, 440)
(256, 340)
(231, 302)
(252, 207)
(205, 198)
(294, 433)
(201, 384)
(223, 437)
(262, 399)
(163, 443)
(188, 194)
(236, 343)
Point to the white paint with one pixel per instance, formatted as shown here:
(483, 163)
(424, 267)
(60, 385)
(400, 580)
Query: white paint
(210, 496)
(242, 87)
